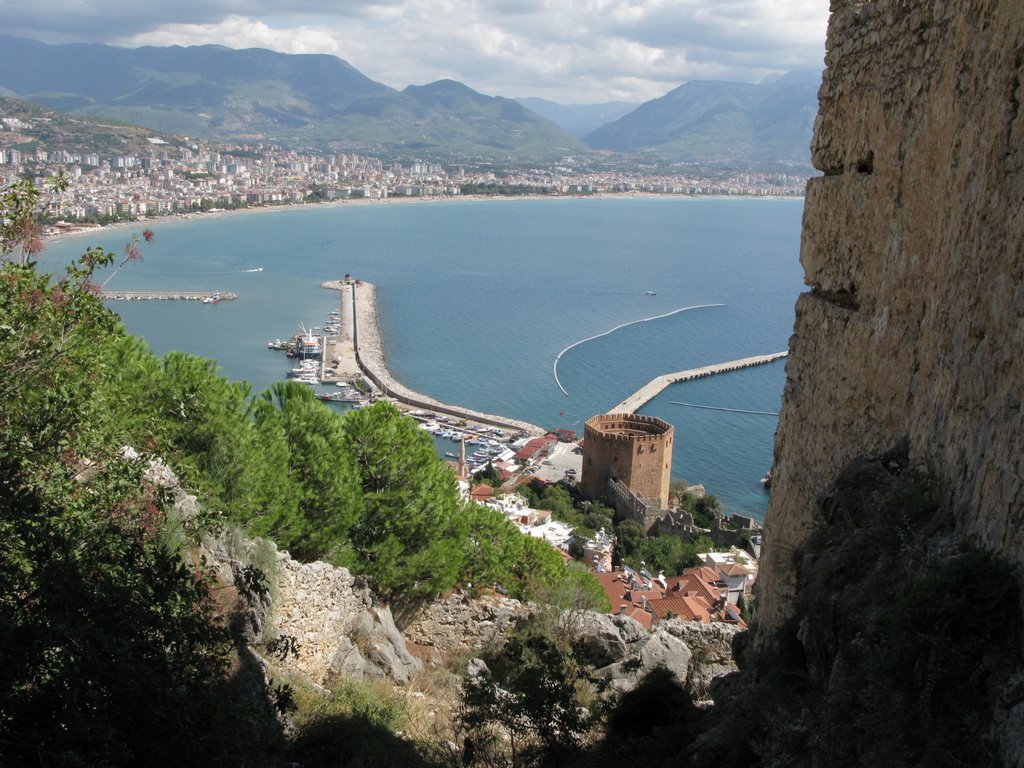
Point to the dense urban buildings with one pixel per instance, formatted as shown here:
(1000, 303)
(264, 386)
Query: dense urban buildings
(194, 176)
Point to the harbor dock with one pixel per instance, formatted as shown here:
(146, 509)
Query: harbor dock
(368, 353)
(657, 385)
(208, 297)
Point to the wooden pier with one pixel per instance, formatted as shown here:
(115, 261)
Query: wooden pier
(656, 386)
(208, 297)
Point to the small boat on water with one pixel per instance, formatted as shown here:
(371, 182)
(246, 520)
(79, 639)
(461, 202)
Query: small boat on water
(650, 293)
(339, 397)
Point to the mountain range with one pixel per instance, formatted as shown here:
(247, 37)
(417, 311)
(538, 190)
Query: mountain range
(721, 122)
(317, 100)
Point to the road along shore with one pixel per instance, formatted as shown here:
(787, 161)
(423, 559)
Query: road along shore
(369, 356)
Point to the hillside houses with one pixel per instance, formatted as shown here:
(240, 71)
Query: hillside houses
(698, 594)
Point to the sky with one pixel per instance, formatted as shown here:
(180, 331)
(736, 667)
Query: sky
(569, 51)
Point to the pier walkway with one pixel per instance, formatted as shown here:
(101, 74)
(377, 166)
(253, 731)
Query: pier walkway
(342, 347)
(208, 296)
(656, 386)
(369, 356)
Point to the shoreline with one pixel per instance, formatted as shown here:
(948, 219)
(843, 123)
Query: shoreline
(369, 356)
(265, 209)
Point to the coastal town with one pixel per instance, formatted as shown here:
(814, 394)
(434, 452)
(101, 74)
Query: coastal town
(197, 176)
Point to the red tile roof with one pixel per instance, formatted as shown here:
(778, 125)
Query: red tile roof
(481, 492)
(687, 608)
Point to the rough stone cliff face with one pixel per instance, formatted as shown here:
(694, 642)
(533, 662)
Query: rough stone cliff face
(913, 245)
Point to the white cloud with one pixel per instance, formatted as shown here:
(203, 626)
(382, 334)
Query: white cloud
(566, 50)
(241, 32)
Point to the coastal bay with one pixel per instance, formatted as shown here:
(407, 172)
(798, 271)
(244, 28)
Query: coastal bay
(476, 298)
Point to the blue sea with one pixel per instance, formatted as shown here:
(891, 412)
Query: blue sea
(477, 297)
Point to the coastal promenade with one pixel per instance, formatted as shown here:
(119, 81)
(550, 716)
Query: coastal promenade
(368, 352)
(657, 385)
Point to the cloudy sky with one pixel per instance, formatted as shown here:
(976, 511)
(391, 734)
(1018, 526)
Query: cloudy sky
(571, 51)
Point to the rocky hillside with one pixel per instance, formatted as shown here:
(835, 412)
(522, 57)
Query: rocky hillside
(913, 246)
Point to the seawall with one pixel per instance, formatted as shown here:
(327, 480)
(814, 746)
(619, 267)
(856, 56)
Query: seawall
(657, 385)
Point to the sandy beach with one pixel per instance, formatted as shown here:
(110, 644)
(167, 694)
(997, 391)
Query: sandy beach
(149, 223)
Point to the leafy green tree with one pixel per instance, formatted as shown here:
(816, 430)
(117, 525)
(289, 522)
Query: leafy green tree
(538, 565)
(631, 535)
(111, 654)
(493, 546)
(408, 534)
(489, 476)
(324, 488)
(558, 501)
(669, 553)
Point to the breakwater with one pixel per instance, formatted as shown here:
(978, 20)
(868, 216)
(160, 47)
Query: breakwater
(207, 296)
(554, 367)
(656, 386)
(369, 356)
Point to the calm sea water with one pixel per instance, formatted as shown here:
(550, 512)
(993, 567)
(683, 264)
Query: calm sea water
(477, 297)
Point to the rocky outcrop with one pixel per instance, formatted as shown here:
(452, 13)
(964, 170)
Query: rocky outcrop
(608, 639)
(339, 628)
(659, 649)
(695, 653)
(327, 617)
(913, 245)
(461, 625)
(618, 646)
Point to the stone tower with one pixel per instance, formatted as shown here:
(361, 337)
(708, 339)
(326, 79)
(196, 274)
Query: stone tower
(634, 449)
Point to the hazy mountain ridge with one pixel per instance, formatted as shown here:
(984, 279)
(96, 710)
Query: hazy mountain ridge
(714, 121)
(256, 94)
(218, 93)
(578, 119)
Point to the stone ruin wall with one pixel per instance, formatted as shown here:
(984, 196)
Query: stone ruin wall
(642, 462)
(913, 245)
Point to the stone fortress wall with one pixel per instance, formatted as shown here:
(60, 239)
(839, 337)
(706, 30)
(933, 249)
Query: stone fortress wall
(913, 245)
(636, 450)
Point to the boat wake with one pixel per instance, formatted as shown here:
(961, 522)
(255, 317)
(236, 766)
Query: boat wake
(554, 368)
(254, 269)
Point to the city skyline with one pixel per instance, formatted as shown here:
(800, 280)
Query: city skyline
(582, 52)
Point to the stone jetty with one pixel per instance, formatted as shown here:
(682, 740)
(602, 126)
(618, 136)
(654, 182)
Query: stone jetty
(207, 296)
(657, 385)
(369, 356)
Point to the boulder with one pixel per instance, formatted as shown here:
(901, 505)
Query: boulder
(607, 639)
(660, 649)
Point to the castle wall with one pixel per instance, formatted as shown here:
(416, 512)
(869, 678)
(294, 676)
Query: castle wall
(913, 245)
(634, 449)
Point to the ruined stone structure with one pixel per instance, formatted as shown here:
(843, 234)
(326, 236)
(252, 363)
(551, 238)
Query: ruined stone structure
(913, 245)
(635, 450)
